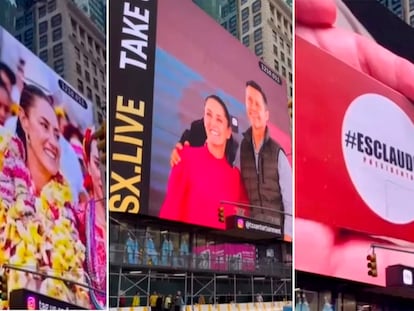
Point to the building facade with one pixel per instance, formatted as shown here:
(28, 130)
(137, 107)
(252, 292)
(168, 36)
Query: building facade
(69, 42)
(404, 9)
(264, 26)
(96, 10)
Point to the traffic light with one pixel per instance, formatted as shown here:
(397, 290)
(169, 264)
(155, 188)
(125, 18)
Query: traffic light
(372, 265)
(221, 214)
(100, 136)
(3, 287)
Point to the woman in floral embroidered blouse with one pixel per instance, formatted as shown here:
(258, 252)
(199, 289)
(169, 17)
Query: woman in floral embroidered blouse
(94, 221)
(40, 230)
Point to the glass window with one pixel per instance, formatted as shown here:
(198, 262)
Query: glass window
(289, 61)
(42, 41)
(276, 63)
(81, 33)
(290, 77)
(279, 16)
(19, 37)
(28, 35)
(78, 69)
(256, 6)
(282, 44)
(56, 20)
(57, 34)
(224, 25)
(258, 49)
(95, 71)
(257, 19)
(42, 27)
(282, 56)
(80, 86)
(233, 21)
(246, 40)
(258, 34)
(77, 51)
(20, 23)
(42, 11)
(232, 5)
(51, 5)
(58, 65)
(102, 75)
(243, 2)
(28, 18)
(284, 71)
(97, 100)
(275, 50)
(57, 50)
(74, 24)
(224, 11)
(245, 13)
(87, 76)
(88, 93)
(285, 23)
(43, 55)
(86, 61)
(95, 84)
(245, 26)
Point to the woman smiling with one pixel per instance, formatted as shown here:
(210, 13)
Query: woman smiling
(204, 177)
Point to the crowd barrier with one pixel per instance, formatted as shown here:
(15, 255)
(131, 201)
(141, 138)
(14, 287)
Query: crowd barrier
(252, 306)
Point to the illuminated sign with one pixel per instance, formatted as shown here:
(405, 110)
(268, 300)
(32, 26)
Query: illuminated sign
(353, 171)
(47, 173)
(171, 73)
(23, 299)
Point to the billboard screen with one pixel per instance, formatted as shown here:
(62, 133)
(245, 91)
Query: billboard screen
(226, 257)
(52, 219)
(185, 84)
(354, 170)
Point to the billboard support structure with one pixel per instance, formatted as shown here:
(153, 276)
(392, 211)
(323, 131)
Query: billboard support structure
(12, 267)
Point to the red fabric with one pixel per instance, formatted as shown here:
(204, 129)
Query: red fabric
(197, 185)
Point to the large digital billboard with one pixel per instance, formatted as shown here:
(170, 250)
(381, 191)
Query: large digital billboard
(354, 170)
(52, 214)
(173, 79)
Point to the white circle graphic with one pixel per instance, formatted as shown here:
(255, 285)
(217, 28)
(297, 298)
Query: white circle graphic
(378, 148)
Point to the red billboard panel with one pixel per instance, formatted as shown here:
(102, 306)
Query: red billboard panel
(184, 83)
(53, 226)
(354, 168)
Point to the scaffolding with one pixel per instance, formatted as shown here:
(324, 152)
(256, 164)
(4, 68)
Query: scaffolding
(215, 286)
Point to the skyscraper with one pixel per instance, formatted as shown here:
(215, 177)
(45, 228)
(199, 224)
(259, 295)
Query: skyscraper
(225, 12)
(264, 26)
(96, 10)
(65, 38)
(404, 9)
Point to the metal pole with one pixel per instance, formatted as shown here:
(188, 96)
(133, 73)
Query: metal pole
(255, 207)
(185, 289)
(235, 287)
(192, 288)
(214, 288)
(12, 267)
(119, 286)
(252, 278)
(271, 287)
(395, 249)
(149, 287)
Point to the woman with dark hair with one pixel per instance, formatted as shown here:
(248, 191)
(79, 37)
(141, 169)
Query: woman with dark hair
(41, 230)
(204, 177)
(94, 221)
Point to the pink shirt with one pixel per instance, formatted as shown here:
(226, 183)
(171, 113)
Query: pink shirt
(197, 185)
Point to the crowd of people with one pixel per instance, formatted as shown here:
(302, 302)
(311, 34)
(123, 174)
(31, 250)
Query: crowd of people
(51, 194)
